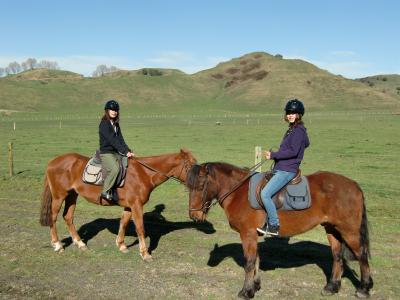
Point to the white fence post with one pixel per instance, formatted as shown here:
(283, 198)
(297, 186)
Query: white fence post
(257, 157)
(10, 159)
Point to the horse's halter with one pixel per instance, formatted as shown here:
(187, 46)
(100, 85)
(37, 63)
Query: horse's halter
(205, 204)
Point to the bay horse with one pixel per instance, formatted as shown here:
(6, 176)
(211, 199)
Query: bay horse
(63, 182)
(337, 204)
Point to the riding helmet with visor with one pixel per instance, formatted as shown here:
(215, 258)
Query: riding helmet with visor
(294, 106)
(112, 105)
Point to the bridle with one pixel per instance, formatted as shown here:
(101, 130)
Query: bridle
(186, 166)
(207, 204)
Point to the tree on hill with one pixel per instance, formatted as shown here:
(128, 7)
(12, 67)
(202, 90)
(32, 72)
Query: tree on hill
(103, 69)
(29, 64)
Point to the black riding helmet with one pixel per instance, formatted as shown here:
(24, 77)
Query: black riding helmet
(294, 106)
(112, 104)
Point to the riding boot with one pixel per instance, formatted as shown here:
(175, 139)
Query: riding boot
(114, 194)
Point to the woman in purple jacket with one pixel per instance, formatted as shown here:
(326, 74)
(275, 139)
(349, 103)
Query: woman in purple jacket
(287, 161)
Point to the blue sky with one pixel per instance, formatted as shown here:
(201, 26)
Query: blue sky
(351, 38)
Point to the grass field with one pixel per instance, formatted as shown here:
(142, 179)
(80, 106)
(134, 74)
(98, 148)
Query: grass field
(190, 260)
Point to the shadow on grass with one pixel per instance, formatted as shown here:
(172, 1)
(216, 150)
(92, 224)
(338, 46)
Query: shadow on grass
(277, 253)
(156, 226)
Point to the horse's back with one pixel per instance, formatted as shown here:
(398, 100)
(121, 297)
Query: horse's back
(335, 189)
(67, 161)
(330, 178)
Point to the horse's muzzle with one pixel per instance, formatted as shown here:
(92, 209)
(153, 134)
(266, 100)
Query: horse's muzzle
(197, 216)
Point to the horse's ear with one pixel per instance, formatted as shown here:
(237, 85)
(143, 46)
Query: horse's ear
(215, 246)
(184, 151)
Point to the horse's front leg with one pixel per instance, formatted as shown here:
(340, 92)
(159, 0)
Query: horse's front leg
(137, 217)
(251, 279)
(123, 224)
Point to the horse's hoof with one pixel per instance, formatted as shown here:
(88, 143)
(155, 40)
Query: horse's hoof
(325, 292)
(147, 258)
(123, 249)
(81, 245)
(246, 294)
(57, 247)
(362, 294)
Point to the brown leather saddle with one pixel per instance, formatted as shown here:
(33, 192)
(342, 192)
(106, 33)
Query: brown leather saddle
(279, 198)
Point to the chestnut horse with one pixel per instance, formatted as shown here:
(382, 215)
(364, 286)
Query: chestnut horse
(337, 204)
(63, 182)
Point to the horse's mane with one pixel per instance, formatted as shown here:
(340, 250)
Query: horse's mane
(212, 168)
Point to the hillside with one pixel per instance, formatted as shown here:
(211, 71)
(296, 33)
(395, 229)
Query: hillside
(260, 78)
(386, 83)
(254, 82)
(45, 74)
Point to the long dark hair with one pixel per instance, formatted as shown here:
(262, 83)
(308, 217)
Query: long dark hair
(106, 117)
(297, 122)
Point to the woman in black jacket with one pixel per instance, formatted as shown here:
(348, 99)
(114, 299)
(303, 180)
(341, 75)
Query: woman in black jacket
(112, 146)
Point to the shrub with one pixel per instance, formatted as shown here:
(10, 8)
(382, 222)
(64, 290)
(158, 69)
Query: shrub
(260, 75)
(217, 76)
(232, 71)
(250, 67)
(151, 72)
(230, 83)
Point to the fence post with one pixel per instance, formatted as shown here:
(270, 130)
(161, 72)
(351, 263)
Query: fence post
(10, 159)
(257, 158)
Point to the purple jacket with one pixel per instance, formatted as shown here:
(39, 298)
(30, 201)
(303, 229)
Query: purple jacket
(291, 150)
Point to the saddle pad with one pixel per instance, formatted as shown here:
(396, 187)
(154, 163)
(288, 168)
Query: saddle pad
(94, 174)
(292, 196)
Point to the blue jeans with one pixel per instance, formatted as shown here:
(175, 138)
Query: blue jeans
(277, 182)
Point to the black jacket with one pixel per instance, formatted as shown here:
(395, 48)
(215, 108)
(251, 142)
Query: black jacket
(111, 141)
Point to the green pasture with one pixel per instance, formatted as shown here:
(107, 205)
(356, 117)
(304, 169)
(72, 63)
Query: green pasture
(190, 260)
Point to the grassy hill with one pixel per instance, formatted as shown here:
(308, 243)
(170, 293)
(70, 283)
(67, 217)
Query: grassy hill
(386, 83)
(254, 82)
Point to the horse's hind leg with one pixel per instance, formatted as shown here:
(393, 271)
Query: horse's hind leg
(120, 240)
(335, 242)
(252, 279)
(354, 243)
(257, 279)
(69, 209)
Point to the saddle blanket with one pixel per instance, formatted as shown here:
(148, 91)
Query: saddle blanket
(93, 173)
(291, 197)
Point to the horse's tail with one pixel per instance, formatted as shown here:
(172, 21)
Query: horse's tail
(47, 199)
(364, 236)
(364, 232)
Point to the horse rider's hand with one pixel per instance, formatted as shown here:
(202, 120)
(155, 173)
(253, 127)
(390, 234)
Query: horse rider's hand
(130, 154)
(267, 154)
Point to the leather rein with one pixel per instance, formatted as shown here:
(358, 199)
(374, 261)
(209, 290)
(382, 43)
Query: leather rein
(162, 173)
